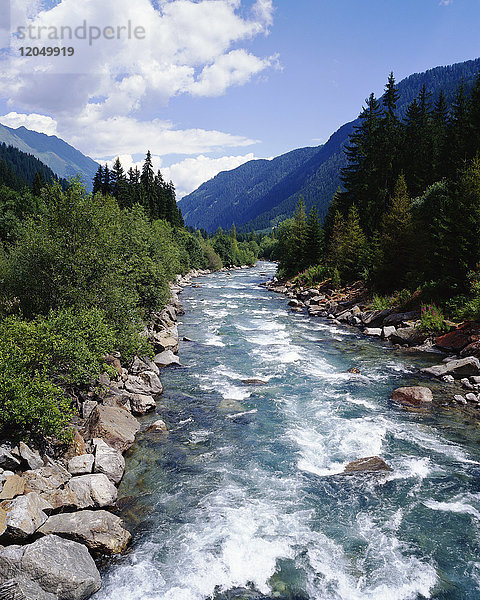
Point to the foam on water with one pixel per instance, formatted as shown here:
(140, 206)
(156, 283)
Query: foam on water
(460, 504)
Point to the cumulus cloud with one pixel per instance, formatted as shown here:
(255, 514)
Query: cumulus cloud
(445, 2)
(188, 174)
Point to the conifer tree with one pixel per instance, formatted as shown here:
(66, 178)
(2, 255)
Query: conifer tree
(353, 247)
(38, 184)
(98, 180)
(314, 239)
(147, 180)
(106, 182)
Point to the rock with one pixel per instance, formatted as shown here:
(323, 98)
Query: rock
(51, 568)
(147, 383)
(460, 338)
(166, 340)
(46, 479)
(61, 499)
(460, 399)
(253, 382)
(375, 318)
(388, 332)
(88, 407)
(448, 379)
(93, 491)
(100, 531)
(187, 339)
(471, 350)
(466, 383)
(373, 331)
(115, 425)
(471, 397)
(13, 486)
(398, 318)
(141, 404)
(412, 395)
(118, 398)
(475, 380)
(22, 516)
(108, 461)
(140, 365)
(165, 359)
(463, 367)
(7, 460)
(372, 464)
(295, 302)
(409, 335)
(354, 370)
(32, 458)
(158, 426)
(77, 447)
(81, 465)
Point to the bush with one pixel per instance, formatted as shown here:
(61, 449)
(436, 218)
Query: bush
(432, 320)
(311, 276)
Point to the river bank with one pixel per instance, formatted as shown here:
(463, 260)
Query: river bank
(458, 350)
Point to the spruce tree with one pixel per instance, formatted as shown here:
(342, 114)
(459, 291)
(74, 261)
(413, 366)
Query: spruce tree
(353, 248)
(98, 180)
(148, 192)
(314, 239)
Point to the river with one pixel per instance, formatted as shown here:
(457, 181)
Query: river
(245, 493)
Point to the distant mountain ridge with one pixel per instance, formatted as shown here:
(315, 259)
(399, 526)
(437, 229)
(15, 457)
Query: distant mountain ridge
(313, 173)
(64, 160)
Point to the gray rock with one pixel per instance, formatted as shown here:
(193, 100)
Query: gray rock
(388, 332)
(81, 465)
(466, 383)
(46, 479)
(460, 399)
(87, 407)
(7, 460)
(108, 461)
(373, 331)
(375, 318)
(373, 464)
(167, 339)
(408, 335)
(99, 530)
(147, 383)
(165, 359)
(475, 380)
(464, 367)
(115, 425)
(471, 397)
(12, 486)
(32, 458)
(158, 426)
(398, 318)
(412, 395)
(141, 404)
(143, 364)
(93, 491)
(22, 516)
(448, 379)
(51, 568)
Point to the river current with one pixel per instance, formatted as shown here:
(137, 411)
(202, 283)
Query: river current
(244, 492)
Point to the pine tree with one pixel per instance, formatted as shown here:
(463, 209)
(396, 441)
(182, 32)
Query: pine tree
(38, 184)
(353, 248)
(98, 180)
(314, 239)
(458, 134)
(148, 191)
(474, 120)
(336, 242)
(106, 182)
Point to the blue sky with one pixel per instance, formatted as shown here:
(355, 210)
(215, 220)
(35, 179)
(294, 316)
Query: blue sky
(252, 78)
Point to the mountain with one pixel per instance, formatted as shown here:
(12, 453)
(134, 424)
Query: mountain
(64, 160)
(18, 169)
(262, 193)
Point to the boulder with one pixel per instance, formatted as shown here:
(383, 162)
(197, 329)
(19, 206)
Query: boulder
(471, 350)
(166, 359)
(22, 516)
(32, 458)
(99, 530)
(412, 395)
(253, 382)
(166, 340)
(93, 491)
(108, 461)
(399, 318)
(373, 331)
(81, 465)
(411, 336)
(373, 464)
(460, 399)
(61, 499)
(375, 318)
(115, 425)
(140, 365)
(46, 479)
(7, 460)
(51, 568)
(158, 426)
(13, 486)
(471, 397)
(459, 338)
(388, 332)
(463, 367)
(87, 407)
(141, 404)
(147, 383)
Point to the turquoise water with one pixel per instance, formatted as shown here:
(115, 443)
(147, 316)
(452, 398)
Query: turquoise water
(244, 491)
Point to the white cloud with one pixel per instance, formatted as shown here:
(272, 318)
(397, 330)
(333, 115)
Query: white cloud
(98, 96)
(40, 123)
(190, 173)
(445, 2)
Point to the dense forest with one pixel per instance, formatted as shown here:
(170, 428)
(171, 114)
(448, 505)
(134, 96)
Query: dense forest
(408, 214)
(81, 273)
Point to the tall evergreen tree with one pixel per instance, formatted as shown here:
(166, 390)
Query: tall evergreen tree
(98, 180)
(314, 239)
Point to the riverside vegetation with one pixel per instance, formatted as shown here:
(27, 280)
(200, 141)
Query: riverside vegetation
(86, 290)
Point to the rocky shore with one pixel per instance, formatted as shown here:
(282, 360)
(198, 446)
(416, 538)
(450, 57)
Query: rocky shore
(458, 350)
(55, 517)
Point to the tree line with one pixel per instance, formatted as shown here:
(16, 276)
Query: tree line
(408, 213)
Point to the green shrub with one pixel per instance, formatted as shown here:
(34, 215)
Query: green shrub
(312, 276)
(432, 319)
